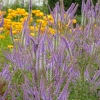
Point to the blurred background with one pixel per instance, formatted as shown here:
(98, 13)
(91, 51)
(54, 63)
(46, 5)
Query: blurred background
(44, 3)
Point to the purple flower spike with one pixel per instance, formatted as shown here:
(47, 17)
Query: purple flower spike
(6, 73)
(11, 34)
(87, 76)
(42, 90)
(70, 8)
(73, 11)
(2, 22)
(30, 6)
(66, 42)
(35, 46)
(83, 3)
(65, 91)
(97, 74)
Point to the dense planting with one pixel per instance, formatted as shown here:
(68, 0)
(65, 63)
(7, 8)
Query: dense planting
(51, 57)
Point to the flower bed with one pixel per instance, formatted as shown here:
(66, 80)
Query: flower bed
(52, 56)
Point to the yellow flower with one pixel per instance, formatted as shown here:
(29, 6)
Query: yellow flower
(16, 39)
(14, 32)
(18, 9)
(52, 31)
(9, 17)
(10, 46)
(31, 28)
(32, 34)
(31, 19)
(7, 20)
(66, 25)
(36, 28)
(51, 21)
(25, 14)
(7, 33)
(45, 18)
(65, 15)
(70, 30)
(74, 21)
(50, 17)
(35, 11)
(1, 28)
(7, 27)
(39, 20)
(37, 14)
(23, 10)
(2, 37)
(42, 29)
(41, 14)
(2, 12)
(44, 23)
(95, 25)
(9, 10)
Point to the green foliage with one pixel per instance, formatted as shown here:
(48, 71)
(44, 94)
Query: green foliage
(78, 18)
(52, 3)
(81, 91)
(3, 46)
(67, 4)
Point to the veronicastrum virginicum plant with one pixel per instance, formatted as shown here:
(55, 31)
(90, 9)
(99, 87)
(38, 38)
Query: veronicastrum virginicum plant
(55, 67)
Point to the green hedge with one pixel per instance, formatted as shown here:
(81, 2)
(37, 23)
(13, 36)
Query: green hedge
(67, 4)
